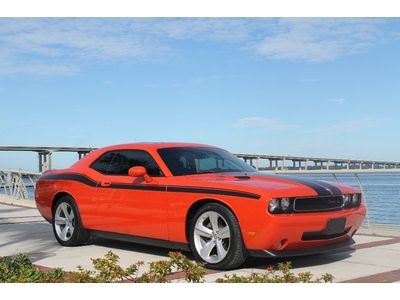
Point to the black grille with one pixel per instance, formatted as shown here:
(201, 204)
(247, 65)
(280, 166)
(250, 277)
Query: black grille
(310, 204)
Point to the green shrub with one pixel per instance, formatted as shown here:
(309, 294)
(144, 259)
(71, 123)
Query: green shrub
(160, 270)
(107, 269)
(20, 269)
(282, 275)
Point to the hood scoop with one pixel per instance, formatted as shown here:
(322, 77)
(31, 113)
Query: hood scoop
(243, 177)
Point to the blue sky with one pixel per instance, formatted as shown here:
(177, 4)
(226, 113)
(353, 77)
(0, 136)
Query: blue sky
(313, 87)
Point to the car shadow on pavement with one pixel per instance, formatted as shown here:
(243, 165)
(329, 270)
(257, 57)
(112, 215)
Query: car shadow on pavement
(298, 261)
(33, 239)
(251, 262)
(130, 246)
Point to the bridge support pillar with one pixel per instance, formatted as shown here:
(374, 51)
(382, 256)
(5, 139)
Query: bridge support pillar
(84, 153)
(257, 163)
(45, 162)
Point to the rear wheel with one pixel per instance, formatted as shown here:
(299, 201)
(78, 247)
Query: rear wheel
(215, 237)
(67, 225)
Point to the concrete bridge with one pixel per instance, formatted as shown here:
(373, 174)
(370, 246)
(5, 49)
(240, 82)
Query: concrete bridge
(287, 163)
(262, 162)
(45, 153)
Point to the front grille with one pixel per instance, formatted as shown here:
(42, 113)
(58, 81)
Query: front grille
(310, 204)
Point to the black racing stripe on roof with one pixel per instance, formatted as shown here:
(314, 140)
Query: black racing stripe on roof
(178, 189)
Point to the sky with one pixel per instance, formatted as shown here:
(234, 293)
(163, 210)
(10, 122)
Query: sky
(307, 87)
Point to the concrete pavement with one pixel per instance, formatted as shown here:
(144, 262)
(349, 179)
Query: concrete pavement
(375, 257)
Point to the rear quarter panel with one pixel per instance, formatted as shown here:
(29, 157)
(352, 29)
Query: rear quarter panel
(47, 191)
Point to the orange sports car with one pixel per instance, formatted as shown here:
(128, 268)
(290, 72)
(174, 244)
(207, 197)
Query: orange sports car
(199, 198)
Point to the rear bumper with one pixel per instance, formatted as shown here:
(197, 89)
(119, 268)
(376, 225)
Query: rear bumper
(301, 252)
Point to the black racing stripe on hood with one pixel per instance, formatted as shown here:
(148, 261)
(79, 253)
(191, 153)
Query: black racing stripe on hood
(335, 190)
(319, 188)
(316, 186)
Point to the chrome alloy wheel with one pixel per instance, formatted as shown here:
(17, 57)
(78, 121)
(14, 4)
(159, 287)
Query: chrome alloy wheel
(212, 237)
(64, 221)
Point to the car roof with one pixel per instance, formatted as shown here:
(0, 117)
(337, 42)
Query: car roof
(87, 160)
(155, 145)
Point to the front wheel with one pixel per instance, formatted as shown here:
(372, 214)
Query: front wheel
(215, 237)
(67, 225)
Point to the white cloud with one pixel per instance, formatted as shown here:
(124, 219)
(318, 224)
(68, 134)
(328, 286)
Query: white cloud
(38, 69)
(351, 125)
(318, 40)
(66, 44)
(266, 123)
(343, 127)
(79, 38)
(61, 46)
(217, 29)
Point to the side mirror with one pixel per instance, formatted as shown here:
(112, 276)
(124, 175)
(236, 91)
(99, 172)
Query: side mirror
(139, 171)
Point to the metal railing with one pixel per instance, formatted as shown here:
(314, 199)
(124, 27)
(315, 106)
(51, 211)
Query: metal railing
(15, 183)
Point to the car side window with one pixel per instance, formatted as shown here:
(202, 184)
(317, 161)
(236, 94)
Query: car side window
(119, 162)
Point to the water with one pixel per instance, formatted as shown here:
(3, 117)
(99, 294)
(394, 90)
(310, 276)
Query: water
(382, 194)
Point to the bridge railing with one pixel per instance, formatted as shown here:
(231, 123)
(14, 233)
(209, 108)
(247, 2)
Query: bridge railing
(15, 183)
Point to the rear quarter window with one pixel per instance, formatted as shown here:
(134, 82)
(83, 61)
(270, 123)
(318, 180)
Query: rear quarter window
(119, 162)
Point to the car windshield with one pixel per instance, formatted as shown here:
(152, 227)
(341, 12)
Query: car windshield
(189, 161)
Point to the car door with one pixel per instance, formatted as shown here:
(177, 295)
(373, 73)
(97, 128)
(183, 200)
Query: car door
(129, 205)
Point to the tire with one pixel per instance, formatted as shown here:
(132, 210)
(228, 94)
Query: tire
(216, 239)
(67, 224)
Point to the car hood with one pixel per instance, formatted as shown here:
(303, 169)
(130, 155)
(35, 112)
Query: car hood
(270, 184)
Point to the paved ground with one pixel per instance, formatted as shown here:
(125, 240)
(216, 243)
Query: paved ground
(375, 257)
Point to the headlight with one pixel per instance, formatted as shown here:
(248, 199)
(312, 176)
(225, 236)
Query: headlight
(280, 205)
(273, 205)
(285, 204)
(352, 200)
(347, 200)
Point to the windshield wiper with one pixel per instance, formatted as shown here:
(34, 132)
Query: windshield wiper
(207, 172)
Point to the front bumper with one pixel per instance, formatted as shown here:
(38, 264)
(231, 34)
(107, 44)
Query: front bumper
(306, 251)
(298, 232)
